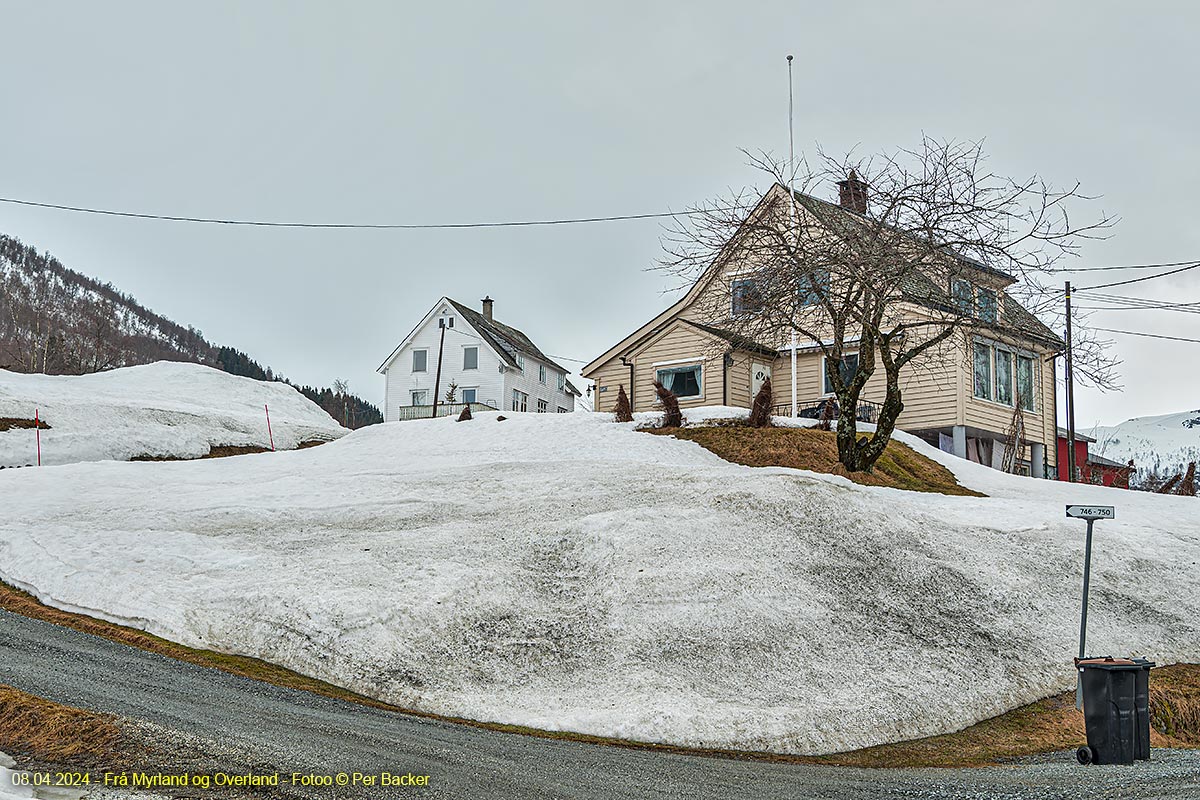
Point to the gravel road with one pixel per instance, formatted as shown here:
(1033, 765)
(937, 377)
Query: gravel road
(259, 726)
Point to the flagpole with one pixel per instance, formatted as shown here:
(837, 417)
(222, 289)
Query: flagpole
(792, 191)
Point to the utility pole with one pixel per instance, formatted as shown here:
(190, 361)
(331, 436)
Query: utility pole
(792, 201)
(437, 380)
(1070, 394)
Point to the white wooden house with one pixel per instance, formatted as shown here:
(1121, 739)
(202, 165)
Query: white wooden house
(492, 365)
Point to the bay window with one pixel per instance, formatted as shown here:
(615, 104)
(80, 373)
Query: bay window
(983, 371)
(1004, 369)
(1025, 382)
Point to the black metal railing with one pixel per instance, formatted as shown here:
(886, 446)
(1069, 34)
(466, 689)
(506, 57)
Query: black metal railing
(866, 411)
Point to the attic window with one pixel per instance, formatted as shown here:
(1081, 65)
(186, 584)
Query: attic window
(986, 301)
(746, 299)
(446, 322)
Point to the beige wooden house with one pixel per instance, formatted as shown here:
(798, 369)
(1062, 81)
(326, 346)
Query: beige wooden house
(963, 397)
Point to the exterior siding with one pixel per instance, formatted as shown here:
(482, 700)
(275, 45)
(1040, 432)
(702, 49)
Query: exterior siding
(607, 381)
(679, 345)
(529, 383)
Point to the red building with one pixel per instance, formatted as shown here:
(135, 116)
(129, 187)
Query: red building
(1089, 467)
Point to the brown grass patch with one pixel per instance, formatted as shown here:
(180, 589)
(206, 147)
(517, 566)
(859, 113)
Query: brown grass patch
(14, 423)
(55, 733)
(227, 450)
(899, 467)
(1042, 727)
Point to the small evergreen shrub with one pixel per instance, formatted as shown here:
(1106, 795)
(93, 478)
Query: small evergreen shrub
(623, 411)
(672, 416)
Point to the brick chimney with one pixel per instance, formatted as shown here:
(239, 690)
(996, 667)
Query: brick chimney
(487, 308)
(852, 194)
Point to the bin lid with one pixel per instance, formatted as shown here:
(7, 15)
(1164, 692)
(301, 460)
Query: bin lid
(1106, 663)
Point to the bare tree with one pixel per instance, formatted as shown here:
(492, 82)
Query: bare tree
(877, 274)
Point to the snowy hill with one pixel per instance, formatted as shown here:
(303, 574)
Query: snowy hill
(562, 571)
(163, 409)
(1161, 445)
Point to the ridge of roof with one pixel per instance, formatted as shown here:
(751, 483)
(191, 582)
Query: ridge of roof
(505, 339)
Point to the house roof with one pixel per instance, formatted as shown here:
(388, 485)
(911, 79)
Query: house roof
(572, 390)
(1079, 437)
(735, 339)
(1104, 462)
(504, 339)
(919, 288)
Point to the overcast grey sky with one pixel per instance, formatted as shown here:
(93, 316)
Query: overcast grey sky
(390, 112)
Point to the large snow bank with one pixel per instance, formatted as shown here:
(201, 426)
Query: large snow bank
(1161, 445)
(163, 409)
(566, 572)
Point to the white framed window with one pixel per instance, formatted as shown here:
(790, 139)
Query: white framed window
(562, 410)
(471, 357)
(848, 367)
(562, 381)
(814, 285)
(520, 362)
(982, 361)
(446, 322)
(1004, 376)
(520, 401)
(962, 295)
(1025, 382)
(746, 298)
(419, 396)
(468, 395)
(420, 361)
(687, 381)
(986, 303)
(542, 405)
(541, 373)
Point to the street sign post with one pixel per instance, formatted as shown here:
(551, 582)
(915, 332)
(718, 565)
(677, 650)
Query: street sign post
(1091, 514)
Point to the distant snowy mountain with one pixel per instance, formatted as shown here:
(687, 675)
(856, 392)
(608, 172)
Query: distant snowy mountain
(1161, 445)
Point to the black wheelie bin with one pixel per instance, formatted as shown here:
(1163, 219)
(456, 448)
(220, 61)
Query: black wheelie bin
(1109, 710)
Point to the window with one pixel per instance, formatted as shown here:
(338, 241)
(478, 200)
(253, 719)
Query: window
(562, 410)
(562, 380)
(962, 294)
(987, 305)
(746, 299)
(541, 406)
(1004, 370)
(520, 362)
(813, 287)
(446, 322)
(542, 373)
(849, 366)
(983, 371)
(420, 360)
(468, 395)
(418, 397)
(1025, 382)
(520, 401)
(683, 381)
(470, 358)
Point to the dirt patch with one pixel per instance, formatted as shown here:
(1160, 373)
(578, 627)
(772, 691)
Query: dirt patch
(14, 423)
(46, 731)
(900, 466)
(227, 450)
(1046, 726)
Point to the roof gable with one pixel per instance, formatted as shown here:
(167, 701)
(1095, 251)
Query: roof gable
(507, 340)
(444, 302)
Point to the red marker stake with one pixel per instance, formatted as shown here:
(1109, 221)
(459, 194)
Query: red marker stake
(269, 427)
(37, 430)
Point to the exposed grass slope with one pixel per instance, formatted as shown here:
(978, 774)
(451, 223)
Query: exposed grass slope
(55, 733)
(899, 467)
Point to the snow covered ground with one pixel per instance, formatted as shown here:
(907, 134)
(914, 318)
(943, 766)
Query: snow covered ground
(161, 409)
(1160, 445)
(566, 572)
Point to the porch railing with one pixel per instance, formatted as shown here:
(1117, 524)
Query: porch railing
(443, 410)
(812, 409)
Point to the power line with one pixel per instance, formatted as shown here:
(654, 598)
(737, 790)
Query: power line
(364, 226)
(1149, 335)
(1191, 265)
(1127, 266)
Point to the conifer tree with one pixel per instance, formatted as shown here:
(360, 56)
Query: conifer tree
(623, 411)
(760, 411)
(672, 416)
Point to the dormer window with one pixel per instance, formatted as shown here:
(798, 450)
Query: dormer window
(985, 300)
(962, 294)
